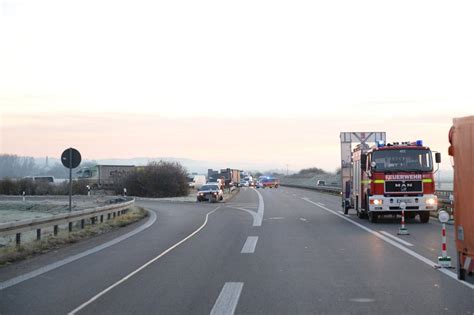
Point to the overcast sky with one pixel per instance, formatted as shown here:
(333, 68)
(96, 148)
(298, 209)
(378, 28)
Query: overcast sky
(270, 82)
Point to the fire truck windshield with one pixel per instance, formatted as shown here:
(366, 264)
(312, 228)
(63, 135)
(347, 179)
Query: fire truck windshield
(402, 160)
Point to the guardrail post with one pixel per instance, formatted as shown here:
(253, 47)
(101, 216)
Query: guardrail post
(38, 234)
(18, 239)
(101, 218)
(82, 223)
(70, 226)
(55, 230)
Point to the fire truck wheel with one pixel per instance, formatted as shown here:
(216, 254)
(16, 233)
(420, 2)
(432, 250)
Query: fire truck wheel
(424, 217)
(373, 217)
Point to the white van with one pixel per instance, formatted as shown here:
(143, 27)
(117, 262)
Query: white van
(197, 181)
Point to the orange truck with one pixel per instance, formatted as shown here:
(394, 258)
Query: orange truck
(461, 138)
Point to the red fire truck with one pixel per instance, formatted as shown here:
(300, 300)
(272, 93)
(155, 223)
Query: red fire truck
(386, 175)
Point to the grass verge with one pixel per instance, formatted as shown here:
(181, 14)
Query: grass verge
(12, 253)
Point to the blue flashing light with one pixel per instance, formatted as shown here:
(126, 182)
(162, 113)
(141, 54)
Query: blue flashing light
(419, 143)
(380, 143)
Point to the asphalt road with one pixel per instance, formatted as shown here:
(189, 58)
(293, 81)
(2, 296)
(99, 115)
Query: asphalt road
(275, 251)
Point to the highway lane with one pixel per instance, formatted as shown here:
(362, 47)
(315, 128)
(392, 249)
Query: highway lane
(62, 289)
(426, 238)
(300, 259)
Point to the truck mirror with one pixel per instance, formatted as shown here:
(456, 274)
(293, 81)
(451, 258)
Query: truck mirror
(438, 157)
(363, 162)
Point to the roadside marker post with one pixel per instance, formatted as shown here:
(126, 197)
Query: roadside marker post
(403, 230)
(444, 261)
(23, 196)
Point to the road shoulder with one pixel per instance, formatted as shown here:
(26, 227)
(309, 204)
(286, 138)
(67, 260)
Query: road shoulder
(67, 250)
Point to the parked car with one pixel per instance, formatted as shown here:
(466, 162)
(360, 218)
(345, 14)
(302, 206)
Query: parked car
(210, 192)
(321, 183)
(244, 183)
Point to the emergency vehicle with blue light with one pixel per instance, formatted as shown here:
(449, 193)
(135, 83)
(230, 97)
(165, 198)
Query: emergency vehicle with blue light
(386, 175)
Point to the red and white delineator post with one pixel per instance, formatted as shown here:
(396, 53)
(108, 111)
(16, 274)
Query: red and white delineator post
(403, 230)
(444, 261)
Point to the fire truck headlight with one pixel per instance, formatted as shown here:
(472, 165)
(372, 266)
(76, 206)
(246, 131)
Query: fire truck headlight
(431, 201)
(376, 202)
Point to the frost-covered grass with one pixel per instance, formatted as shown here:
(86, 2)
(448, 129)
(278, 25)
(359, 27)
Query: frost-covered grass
(11, 210)
(12, 253)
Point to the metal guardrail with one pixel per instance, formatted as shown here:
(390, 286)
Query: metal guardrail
(94, 214)
(326, 189)
(443, 195)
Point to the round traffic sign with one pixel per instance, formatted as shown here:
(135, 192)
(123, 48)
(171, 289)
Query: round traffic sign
(443, 216)
(71, 158)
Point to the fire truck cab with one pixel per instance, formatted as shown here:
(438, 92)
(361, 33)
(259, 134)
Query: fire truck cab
(386, 175)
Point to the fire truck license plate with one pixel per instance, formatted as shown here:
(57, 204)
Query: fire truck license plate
(400, 200)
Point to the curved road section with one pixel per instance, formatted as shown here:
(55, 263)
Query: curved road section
(272, 251)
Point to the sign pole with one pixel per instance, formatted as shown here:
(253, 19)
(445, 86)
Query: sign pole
(444, 261)
(70, 179)
(403, 230)
(71, 158)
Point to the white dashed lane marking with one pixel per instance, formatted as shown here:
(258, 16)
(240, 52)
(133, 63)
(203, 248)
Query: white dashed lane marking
(228, 299)
(250, 244)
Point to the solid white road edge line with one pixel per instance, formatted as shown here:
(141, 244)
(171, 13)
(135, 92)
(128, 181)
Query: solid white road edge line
(396, 238)
(228, 298)
(399, 246)
(47, 268)
(95, 297)
(249, 246)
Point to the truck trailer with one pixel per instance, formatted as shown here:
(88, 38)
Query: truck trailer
(103, 176)
(461, 138)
